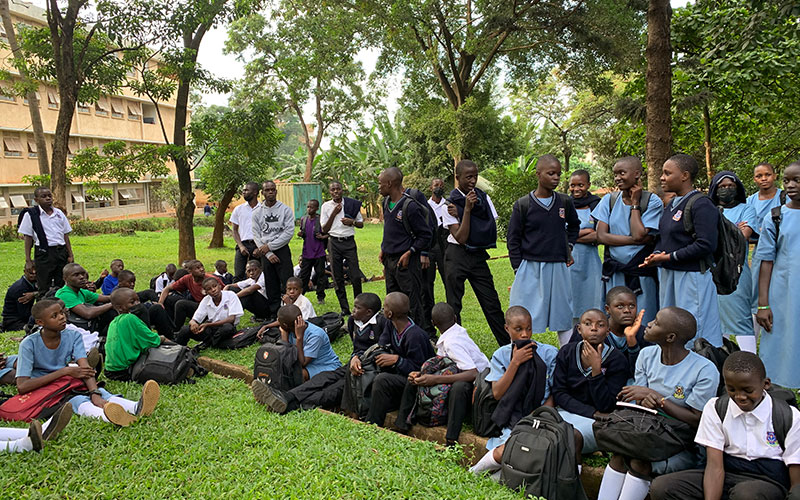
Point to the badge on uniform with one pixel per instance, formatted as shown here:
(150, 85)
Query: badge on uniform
(772, 440)
(399, 216)
(677, 215)
(678, 394)
(562, 213)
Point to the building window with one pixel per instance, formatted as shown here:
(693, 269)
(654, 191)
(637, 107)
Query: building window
(117, 109)
(101, 107)
(134, 111)
(12, 147)
(38, 98)
(52, 99)
(20, 202)
(77, 199)
(97, 202)
(130, 196)
(72, 147)
(32, 152)
(83, 107)
(149, 113)
(6, 95)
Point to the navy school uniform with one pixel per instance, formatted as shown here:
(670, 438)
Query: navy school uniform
(621, 344)
(16, 314)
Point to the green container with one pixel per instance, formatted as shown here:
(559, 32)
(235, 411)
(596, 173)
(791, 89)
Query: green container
(297, 194)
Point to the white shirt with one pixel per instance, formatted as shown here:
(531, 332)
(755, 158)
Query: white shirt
(448, 220)
(306, 309)
(250, 282)
(457, 345)
(242, 216)
(337, 230)
(439, 209)
(229, 305)
(748, 435)
(55, 226)
(162, 281)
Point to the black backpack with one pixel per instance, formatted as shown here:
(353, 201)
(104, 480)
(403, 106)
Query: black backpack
(539, 457)
(483, 405)
(716, 355)
(728, 259)
(777, 217)
(412, 195)
(271, 335)
(277, 365)
(332, 323)
(242, 338)
(167, 364)
(358, 390)
(782, 402)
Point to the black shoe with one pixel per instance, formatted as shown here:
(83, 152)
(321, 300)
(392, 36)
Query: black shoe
(273, 399)
(35, 434)
(58, 421)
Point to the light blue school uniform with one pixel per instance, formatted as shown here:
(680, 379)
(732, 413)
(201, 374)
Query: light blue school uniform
(498, 366)
(545, 290)
(587, 287)
(762, 209)
(690, 383)
(317, 345)
(778, 347)
(9, 365)
(735, 310)
(619, 222)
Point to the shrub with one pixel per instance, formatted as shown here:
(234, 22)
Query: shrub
(8, 232)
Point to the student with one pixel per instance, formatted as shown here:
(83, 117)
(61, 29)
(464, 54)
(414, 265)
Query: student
(339, 217)
(778, 297)
(628, 232)
(685, 279)
(455, 343)
(8, 369)
(82, 302)
(438, 204)
(313, 257)
(19, 300)
(190, 292)
(472, 232)
(293, 296)
(221, 271)
(54, 352)
(252, 292)
(128, 336)
(769, 195)
(166, 278)
(314, 351)
(273, 228)
(216, 316)
(326, 388)
(588, 376)
(242, 223)
(587, 287)
(506, 362)
(735, 310)
(15, 440)
(151, 314)
(410, 347)
(540, 245)
(111, 279)
(47, 229)
(673, 380)
(743, 459)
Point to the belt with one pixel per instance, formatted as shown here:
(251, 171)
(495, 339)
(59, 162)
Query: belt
(336, 238)
(251, 241)
(49, 247)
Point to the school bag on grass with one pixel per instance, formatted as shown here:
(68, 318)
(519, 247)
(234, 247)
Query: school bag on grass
(42, 401)
(430, 408)
(167, 364)
(539, 457)
(241, 339)
(331, 322)
(271, 335)
(358, 390)
(716, 355)
(483, 405)
(276, 364)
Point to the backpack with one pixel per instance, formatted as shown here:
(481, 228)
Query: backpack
(643, 434)
(777, 217)
(42, 401)
(430, 408)
(358, 390)
(728, 259)
(782, 402)
(153, 282)
(167, 364)
(415, 195)
(539, 457)
(644, 201)
(276, 365)
(332, 323)
(242, 338)
(716, 355)
(271, 335)
(483, 405)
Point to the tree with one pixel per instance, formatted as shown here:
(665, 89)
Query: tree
(241, 145)
(117, 162)
(659, 91)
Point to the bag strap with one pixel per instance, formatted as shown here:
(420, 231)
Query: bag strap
(613, 200)
(782, 417)
(777, 217)
(688, 226)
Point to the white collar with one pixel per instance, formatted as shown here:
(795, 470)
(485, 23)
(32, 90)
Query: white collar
(454, 331)
(372, 321)
(763, 412)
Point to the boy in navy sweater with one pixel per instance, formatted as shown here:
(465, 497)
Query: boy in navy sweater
(402, 253)
(411, 347)
(19, 300)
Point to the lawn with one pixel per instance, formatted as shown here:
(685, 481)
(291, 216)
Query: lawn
(212, 440)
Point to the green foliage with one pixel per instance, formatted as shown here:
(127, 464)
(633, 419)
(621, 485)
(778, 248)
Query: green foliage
(117, 162)
(511, 182)
(37, 180)
(168, 191)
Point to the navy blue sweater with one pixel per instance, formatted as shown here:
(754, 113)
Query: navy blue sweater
(672, 236)
(395, 238)
(631, 354)
(414, 347)
(482, 226)
(13, 311)
(365, 338)
(584, 395)
(545, 234)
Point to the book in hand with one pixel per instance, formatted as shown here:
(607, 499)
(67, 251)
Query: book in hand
(623, 404)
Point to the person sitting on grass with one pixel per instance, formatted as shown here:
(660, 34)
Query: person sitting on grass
(182, 305)
(16, 440)
(314, 351)
(82, 302)
(164, 279)
(527, 366)
(221, 271)
(455, 343)
(110, 280)
(8, 369)
(153, 316)
(19, 300)
(742, 459)
(128, 336)
(216, 316)
(293, 296)
(55, 351)
(410, 345)
(252, 291)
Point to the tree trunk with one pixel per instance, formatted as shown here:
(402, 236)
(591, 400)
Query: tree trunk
(58, 162)
(707, 143)
(219, 218)
(659, 91)
(33, 101)
(185, 208)
(310, 154)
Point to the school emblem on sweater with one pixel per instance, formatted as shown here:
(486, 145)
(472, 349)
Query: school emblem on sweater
(772, 440)
(678, 394)
(562, 213)
(399, 216)
(677, 215)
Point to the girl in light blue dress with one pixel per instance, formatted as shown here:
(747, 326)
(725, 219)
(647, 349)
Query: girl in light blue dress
(587, 287)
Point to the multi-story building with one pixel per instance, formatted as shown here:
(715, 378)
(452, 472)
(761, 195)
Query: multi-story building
(118, 117)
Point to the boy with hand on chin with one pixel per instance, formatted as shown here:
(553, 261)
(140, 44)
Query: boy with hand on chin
(215, 318)
(314, 351)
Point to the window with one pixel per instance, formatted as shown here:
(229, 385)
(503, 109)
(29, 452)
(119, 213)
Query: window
(77, 199)
(18, 203)
(3, 202)
(32, 153)
(134, 110)
(97, 202)
(86, 143)
(3, 31)
(117, 109)
(148, 113)
(83, 107)
(52, 99)
(72, 147)
(38, 98)
(101, 107)
(130, 196)
(5, 94)
(12, 146)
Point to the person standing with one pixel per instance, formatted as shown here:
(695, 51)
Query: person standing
(438, 204)
(47, 229)
(273, 228)
(242, 221)
(339, 217)
(313, 257)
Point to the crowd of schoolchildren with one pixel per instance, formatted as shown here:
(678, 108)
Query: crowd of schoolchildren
(626, 324)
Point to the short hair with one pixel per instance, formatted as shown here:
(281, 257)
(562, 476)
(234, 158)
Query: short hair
(253, 185)
(442, 313)
(171, 268)
(180, 273)
(633, 161)
(253, 262)
(765, 164)
(745, 362)
(120, 295)
(314, 200)
(394, 173)
(39, 189)
(397, 303)
(70, 267)
(369, 300)
(294, 279)
(126, 275)
(334, 182)
(794, 164)
(219, 263)
(617, 291)
(546, 160)
(594, 310)
(117, 260)
(192, 264)
(38, 309)
(464, 164)
(288, 314)
(686, 163)
(516, 312)
(583, 173)
(682, 322)
(264, 184)
(208, 280)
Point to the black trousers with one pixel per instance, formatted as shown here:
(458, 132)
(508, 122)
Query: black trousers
(387, 391)
(688, 484)
(13, 324)
(436, 257)
(184, 309)
(320, 278)
(257, 304)
(409, 281)
(160, 320)
(323, 390)
(341, 249)
(50, 267)
(275, 276)
(210, 336)
(240, 260)
(472, 266)
(459, 400)
(147, 296)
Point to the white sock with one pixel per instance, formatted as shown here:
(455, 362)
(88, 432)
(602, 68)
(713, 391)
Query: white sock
(564, 336)
(580, 469)
(634, 488)
(127, 404)
(496, 476)
(611, 484)
(16, 445)
(88, 409)
(747, 343)
(487, 462)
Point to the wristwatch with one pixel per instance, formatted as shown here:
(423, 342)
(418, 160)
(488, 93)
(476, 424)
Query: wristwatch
(636, 207)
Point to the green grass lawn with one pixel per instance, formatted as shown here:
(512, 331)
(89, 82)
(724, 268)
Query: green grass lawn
(211, 440)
